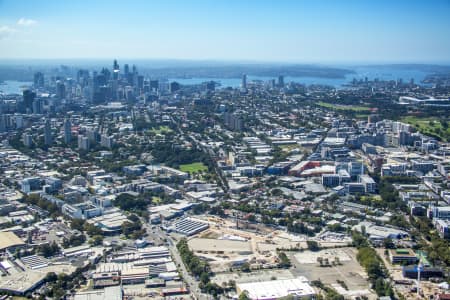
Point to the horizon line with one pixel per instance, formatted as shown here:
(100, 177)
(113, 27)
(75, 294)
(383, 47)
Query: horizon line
(237, 61)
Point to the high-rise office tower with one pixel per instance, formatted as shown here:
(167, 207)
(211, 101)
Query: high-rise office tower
(106, 73)
(140, 82)
(281, 81)
(37, 106)
(48, 140)
(116, 70)
(83, 77)
(67, 131)
(38, 80)
(27, 104)
(60, 90)
(244, 81)
(174, 86)
(154, 85)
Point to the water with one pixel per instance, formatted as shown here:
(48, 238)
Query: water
(380, 72)
(14, 87)
(371, 72)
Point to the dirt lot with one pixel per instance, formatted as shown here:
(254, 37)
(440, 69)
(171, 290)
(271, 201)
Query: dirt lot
(349, 271)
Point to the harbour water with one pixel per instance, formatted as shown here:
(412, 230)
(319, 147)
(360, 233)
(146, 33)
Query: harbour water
(14, 86)
(380, 72)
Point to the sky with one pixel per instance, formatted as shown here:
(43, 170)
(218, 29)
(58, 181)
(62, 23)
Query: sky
(301, 31)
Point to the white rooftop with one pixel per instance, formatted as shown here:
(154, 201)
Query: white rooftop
(275, 289)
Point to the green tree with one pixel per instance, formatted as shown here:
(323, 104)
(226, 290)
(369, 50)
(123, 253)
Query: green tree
(96, 240)
(244, 296)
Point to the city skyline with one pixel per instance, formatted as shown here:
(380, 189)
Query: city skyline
(289, 31)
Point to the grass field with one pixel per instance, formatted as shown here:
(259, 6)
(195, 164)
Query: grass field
(161, 130)
(194, 167)
(372, 197)
(156, 200)
(430, 126)
(343, 107)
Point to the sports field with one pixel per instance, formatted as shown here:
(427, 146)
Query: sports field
(194, 167)
(343, 107)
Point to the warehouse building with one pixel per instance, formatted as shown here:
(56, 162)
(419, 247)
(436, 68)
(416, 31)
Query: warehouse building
(9, 241)
(189, 226)
(298, 287)
(108, 293)
(400, 256)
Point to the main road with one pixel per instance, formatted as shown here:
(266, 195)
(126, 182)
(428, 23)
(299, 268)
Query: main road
(190, 281)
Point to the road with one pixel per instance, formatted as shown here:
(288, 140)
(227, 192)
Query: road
(190, 281)
(210, 153)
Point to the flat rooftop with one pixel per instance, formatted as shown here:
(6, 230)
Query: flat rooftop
(275, 289)
(9, 239)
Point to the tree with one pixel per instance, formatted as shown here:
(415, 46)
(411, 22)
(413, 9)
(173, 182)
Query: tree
(388, 243)
(96, 240)
(284, 260)
(77, 224)
(130, 203)
(132, 229)
(320, 260)
(48, 250)
(313, 245)
(245, 267)
(244, 296)
(204, 277)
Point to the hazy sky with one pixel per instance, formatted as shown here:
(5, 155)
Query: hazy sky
(279, 30)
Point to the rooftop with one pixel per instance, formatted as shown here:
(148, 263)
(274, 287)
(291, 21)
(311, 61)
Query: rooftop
(275, 289)
(9, 239)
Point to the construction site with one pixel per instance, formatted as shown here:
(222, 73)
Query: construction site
(227, 244)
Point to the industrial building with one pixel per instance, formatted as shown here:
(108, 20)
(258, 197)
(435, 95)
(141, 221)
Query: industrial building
(400, 256)
(189, 226)
(276, 289)
(9, 240)
(425, 272)
(108, 293)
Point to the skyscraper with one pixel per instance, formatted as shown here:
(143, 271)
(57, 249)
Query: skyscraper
(37, 106)
(115, 70)
(140, 82)
(174, 86)
(60, 90)
(244, 81)
(38, 80)
(83, 143)
(67, 131)
(48, 140)
(27, 104)
(281, 81)
(154, 85)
